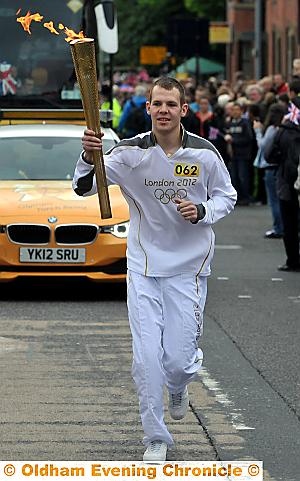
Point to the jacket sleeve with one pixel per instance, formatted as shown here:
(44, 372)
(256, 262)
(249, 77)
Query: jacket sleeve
(297, 182)
(272, 151)
(221, 194)
(268, 138)
(117, 168)
(84, 182)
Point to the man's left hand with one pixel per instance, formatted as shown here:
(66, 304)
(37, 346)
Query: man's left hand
(187, 209)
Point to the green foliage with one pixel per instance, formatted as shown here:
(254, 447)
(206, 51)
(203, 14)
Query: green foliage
(214, 9)
(144, 22)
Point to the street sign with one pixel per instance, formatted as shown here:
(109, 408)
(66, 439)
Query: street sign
(152, 55)
(219, 32)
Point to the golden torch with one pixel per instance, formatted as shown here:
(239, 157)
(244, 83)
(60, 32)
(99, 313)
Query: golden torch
(84, 59)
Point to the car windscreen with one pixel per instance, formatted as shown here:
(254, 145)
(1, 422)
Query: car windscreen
(41, 158)
(38, 67)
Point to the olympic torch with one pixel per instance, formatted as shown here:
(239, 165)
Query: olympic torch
(84, 59)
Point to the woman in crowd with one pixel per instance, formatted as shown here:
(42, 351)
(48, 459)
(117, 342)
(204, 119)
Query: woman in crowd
(265, 134)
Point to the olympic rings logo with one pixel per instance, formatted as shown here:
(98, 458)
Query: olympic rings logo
(169, 195)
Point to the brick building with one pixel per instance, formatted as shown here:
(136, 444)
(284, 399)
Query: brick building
(265, 37)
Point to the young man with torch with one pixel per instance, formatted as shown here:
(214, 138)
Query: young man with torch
(177, 186)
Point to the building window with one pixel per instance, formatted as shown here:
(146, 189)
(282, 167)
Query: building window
(245, 58)
(278, 63)
(291, 51)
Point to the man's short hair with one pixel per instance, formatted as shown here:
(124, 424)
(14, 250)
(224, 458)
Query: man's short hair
(140, 90)
(294, 86)
(169, 83)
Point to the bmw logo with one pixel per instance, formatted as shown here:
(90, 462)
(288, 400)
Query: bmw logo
(52, 219)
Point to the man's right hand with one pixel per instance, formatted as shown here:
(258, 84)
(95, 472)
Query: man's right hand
(90, 143)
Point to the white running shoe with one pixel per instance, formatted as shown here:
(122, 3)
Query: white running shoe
(156, 452)
(178, 404)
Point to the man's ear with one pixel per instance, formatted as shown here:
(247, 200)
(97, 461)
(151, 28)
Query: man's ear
(148, 107)
(184, 110)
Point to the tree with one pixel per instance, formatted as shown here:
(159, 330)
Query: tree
(214, 9)
(144, 23)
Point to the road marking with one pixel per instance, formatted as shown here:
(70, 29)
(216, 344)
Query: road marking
(222, 278)
(276, 279)
(228, 246)
(222, 398)
(8, 344)
(244, 296)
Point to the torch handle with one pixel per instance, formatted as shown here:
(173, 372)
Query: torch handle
(83, 54)
(101, 184)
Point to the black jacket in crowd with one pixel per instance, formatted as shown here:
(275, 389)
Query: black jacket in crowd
(242, 137)
(285, 151)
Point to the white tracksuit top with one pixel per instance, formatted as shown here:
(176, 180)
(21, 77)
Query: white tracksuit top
(160, 242)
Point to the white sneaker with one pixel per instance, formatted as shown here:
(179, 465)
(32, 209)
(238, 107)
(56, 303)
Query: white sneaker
(156, 452)
(178, 404)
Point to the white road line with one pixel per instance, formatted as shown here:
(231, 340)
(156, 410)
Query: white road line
(228, 246)
(244, 296)
(222, 278)
(276, 279)
(235, 414)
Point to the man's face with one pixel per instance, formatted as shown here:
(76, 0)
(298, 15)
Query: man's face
(165, 109)
(278, 80)
(254, 96)
(236, 112)
(204, 104)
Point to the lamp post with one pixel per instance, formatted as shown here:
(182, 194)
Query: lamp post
(107, 26)
(258, 39)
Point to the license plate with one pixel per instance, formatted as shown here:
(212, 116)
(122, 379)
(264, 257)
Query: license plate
(53, 255)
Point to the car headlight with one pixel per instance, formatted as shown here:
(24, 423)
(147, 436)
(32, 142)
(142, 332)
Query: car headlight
(118, 230)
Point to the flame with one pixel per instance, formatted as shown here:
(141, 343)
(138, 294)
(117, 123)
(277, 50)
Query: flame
(26, 21)
(51, 28)
(36, 17)
(71, 35)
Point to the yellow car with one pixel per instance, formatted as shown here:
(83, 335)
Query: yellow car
(45, 228)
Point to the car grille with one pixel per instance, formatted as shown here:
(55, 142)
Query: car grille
(64, 234)
(29, 233)
(76, 234)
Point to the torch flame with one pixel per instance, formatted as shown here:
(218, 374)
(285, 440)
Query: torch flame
(26, 21)
(51, 28)
(71, 35)
(36, 17)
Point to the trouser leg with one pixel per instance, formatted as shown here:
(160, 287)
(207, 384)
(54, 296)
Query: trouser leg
(146, 324)
(273, 201)
(184, 298)
(244, 177)
(290, 213)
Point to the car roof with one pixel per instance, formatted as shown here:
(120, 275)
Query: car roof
(50, 130)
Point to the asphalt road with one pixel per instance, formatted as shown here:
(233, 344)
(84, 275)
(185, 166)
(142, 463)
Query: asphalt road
(66, 391)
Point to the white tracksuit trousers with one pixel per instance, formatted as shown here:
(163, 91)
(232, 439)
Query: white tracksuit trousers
(166, 321)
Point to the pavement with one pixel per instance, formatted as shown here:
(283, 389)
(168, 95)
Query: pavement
(72, 395)
(66, 388)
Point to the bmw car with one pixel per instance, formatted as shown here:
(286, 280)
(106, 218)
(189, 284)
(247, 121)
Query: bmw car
(45, 228)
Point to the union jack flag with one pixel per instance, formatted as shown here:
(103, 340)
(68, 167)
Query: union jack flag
(213, 133)
(8, 85)
(293, 114)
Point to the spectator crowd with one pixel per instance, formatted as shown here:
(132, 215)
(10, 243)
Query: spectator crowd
(252, 123)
